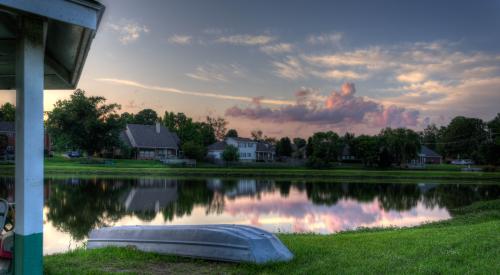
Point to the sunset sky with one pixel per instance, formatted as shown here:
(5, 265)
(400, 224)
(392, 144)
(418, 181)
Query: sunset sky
(296, 67)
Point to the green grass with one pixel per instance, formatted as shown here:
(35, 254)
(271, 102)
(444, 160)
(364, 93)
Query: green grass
(59, 166)
(467, 244)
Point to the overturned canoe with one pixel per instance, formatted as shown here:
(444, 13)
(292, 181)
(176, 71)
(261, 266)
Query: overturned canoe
(234, 243)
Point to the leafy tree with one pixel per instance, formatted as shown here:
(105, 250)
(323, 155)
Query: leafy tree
(193, 150)
(85, 123)
(207, 133)
(323, 148)
(127, 118)
(7, 112)
(299, 142)
(403, 144)
(218, 125)
(430, 136)
(257, 135)
(284, 147)
(366, 149)
(230, 154)
(146, 116)
(463, 136)
(187, 130)
(232, 133)
(489, 151)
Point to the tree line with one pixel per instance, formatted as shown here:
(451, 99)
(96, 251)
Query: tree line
(89, 124)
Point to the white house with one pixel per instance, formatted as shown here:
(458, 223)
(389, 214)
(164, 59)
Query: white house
(249, 150)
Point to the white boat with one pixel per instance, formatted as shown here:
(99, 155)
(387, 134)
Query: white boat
(232, 243)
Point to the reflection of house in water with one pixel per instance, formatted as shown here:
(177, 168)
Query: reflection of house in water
(151, 195)
(240, 188)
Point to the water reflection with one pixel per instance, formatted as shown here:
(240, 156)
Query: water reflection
(73, 207)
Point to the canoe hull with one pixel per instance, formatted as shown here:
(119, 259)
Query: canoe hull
(233, 243)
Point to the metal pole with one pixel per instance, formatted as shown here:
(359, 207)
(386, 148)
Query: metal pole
(28, 247)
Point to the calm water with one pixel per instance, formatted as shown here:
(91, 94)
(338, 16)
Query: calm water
(75, 206)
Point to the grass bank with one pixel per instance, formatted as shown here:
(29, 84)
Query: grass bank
(467, 244)
(64, 167)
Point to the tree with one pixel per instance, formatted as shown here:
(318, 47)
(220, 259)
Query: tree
(127, 118)
(430, 136)
(188, 130)
(299, 142)
(257, 135)
(8, 112)
(403, 144)
(489, 151)
(230, 154)
(146, 116)
(232, 133)
(284, 147)
(193, 150)
(85, 123)
(366, 149)
(463, 137)
(322, 149)
(218, 125)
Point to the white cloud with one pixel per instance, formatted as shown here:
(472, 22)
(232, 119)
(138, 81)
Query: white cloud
(180, 39)
(339, 74)
(370, 58)
(247, 40)
(129, 31)
(290, 68)
(135, 84)
(411, 77)
(214, 72)
(326, 38)
(277, 48)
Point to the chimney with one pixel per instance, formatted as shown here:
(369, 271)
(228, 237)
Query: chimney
(157, 127)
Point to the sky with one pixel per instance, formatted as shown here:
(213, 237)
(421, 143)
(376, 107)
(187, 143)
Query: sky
(291, 68)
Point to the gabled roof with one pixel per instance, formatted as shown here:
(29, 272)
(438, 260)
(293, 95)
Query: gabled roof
(145, 136)
(7, 126)
(265, 147)
(218, 146)
(424, 150)
(242, 139)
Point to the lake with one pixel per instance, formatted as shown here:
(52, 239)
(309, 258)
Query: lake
(74, 206)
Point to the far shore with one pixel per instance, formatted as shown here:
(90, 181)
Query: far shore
(60, 167)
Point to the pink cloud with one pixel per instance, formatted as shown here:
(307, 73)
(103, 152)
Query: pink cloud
(339, 107)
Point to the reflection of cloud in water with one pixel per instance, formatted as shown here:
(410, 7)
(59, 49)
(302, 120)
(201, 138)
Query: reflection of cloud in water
(298, 214)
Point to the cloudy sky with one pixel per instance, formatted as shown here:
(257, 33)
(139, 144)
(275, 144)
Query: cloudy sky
(295, 67)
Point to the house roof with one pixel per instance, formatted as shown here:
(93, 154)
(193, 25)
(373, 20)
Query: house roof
(218, 146)
(424, 150)
(265, 147)
(242, 139)
(7, 126)
(346, 151)
(145, 136)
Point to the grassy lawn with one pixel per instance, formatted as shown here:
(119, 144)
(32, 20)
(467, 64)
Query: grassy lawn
(59, 166)
(467, 244)
(56, 166)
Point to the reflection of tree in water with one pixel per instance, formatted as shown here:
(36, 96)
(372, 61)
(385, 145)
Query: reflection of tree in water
(79, 208)
(190, 193)
(401, 197)
(457, 195)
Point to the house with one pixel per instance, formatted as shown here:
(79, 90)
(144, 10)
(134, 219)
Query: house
(427, 156)
(8, 130)
(265, 151)
(151, 141)
(249, 150)
(346, 154)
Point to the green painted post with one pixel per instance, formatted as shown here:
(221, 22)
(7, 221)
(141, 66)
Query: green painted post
(28, 241)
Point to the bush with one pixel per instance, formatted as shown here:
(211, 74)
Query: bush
(193, 150)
